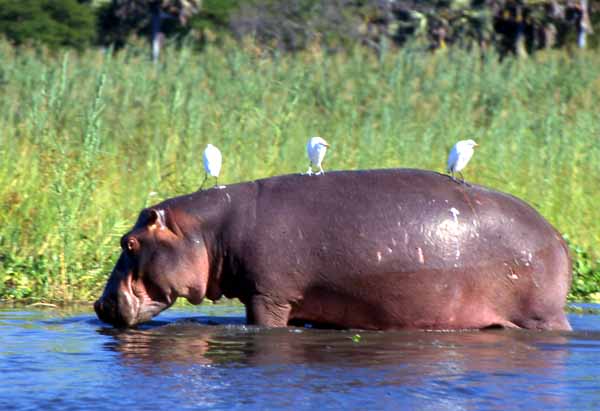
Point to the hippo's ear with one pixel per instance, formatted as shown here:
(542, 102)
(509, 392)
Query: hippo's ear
(130, 244)
(162, 219)
(156, 219)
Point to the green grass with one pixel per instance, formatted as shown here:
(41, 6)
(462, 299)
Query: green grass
(87, 140)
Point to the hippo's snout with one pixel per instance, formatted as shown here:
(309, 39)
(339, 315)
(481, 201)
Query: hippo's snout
(116, 312)
(105, 310)
(118, 305)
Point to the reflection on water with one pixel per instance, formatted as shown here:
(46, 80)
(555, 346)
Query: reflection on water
(190, 342)
(216, 362)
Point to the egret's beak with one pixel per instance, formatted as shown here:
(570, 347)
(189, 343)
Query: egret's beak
(476, 145)
(327, 145)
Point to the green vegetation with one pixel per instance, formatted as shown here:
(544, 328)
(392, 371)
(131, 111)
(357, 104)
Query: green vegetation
(54, 23)
(87, 140)
(586, 275)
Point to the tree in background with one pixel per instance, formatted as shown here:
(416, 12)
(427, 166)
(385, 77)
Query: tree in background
(293, 25)
(121, 17)
(54, 23)
(516, 27)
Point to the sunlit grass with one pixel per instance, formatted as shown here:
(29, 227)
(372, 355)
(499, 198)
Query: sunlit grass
(87, 140)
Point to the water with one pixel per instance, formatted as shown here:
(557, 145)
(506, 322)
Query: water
(205, 358)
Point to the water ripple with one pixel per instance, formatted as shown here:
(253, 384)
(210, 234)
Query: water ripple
(55, 360)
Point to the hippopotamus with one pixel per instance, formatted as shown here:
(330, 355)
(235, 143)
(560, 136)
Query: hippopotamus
(366, 249)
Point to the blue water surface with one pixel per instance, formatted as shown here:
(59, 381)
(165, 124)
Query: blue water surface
(206, 358)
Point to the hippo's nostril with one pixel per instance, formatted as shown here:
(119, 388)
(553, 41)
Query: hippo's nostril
(105, 310)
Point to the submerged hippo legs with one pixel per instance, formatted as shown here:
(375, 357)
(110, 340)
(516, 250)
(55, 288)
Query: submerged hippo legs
(265, 312)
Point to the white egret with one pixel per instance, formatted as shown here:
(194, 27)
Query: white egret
(316, 149)
(459, 156)
(212, 163)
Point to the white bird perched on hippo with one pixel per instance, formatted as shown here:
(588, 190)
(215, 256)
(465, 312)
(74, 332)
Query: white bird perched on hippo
(316, 149)
(459, 157)
(213, 160)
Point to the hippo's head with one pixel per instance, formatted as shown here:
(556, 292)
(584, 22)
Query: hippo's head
(159, 263)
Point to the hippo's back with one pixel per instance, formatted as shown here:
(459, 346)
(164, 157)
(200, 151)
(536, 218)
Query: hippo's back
(399, 219)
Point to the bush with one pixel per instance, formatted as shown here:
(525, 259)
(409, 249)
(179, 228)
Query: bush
(51, 22)
(586, 274)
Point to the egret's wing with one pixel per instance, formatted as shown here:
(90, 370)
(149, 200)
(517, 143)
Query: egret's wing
(463, 159)
(216, 162)
(212, 161)
(206, 161)
(313, 154)
(452, 159)
(320, 155)
(218, 158)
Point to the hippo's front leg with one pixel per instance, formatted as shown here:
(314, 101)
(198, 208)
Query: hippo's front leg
(264, 311)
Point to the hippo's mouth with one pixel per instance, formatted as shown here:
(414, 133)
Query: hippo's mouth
(147, 302)
(132, 304)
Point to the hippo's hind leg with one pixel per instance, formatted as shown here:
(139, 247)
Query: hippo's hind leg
(264, 311)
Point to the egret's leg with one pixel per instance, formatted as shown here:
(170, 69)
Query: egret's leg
(452, 175)
(321, 171)
(203, 181)
(217, 181)
(309, 171)
(462, 180)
